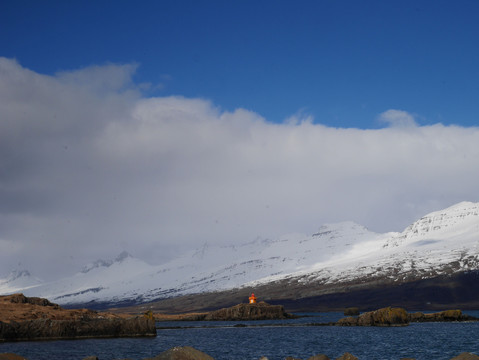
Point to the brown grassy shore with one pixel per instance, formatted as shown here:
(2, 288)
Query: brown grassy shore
(30, 318)
(18, 307)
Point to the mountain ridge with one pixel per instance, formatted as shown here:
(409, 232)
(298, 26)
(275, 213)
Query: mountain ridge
(441, 243)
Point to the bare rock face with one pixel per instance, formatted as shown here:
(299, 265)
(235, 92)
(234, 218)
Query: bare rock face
(382, 317)
(259, 311)
(182, 353)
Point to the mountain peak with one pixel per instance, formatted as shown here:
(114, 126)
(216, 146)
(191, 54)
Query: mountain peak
(106, 263)
(341, 228)
(122, 256)
(458, 216)
(463, 205)
(16, 274)
(18, 280)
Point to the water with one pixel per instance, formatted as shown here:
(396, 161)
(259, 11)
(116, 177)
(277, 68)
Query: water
(223, 341)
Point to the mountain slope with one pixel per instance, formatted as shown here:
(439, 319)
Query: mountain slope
(18, 280)
(438, 243)
(205, 269)
(337, 257)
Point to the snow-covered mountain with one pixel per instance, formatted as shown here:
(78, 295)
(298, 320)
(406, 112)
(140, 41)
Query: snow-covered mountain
(442, 242)
(17, 281)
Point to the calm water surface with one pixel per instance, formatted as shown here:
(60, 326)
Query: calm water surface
(223, 341)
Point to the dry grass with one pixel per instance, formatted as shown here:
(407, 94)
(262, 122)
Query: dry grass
(17, 307)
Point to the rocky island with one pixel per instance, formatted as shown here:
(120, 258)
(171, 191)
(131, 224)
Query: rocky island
(388, 316)
(243, 312)
(399, 317)
(28, 318)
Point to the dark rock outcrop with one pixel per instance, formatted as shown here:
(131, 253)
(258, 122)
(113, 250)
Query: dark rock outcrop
(22, 299)
(182, 353)
(47, 329)
(443, 316)
(383, 317)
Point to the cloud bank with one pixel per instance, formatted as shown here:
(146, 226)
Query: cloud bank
(89, 167)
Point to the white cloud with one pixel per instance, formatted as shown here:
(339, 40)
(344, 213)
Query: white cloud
(105, 78)
(398, 118)
(89, 171)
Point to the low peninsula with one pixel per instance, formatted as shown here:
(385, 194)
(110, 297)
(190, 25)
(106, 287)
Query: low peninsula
(29, 318)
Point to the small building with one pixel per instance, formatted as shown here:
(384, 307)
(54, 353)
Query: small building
(252, 299)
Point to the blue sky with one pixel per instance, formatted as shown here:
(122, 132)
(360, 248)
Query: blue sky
(158, 126)
(342, 62)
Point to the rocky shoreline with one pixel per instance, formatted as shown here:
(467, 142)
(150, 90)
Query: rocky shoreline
(27, 319)
(189, 353)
